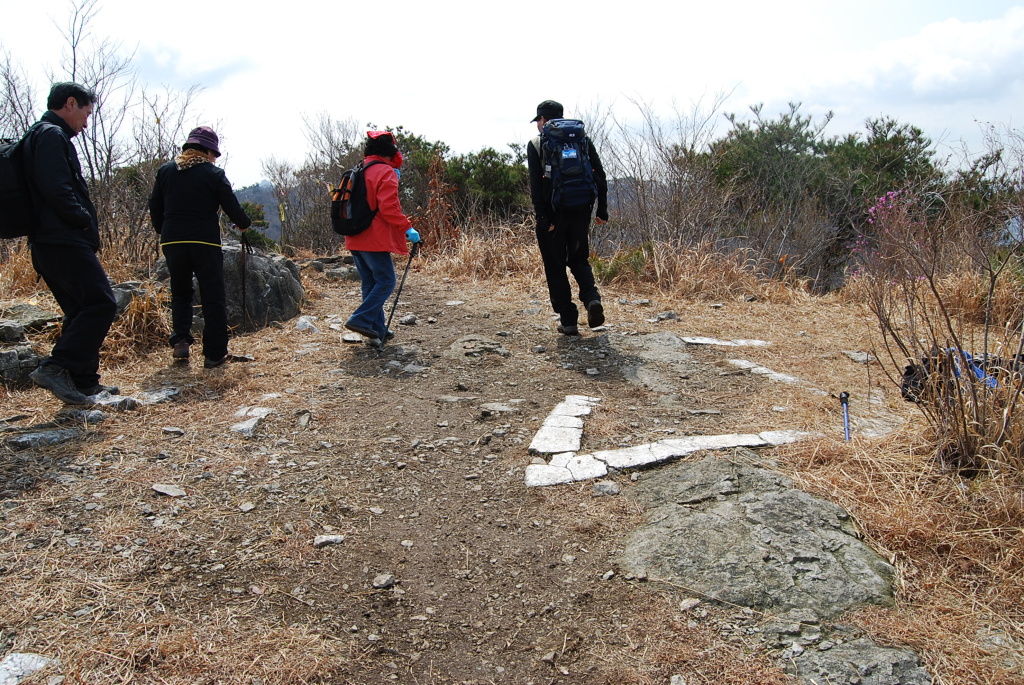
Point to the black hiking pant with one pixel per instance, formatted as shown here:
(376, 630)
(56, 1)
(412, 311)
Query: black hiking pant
(76, 278)
(207, 263)
(568, 245)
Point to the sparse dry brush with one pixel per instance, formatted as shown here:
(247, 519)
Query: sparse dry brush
(957, 545)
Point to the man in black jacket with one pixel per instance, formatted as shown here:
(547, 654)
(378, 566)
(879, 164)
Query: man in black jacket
(563, 233)
(64, 246)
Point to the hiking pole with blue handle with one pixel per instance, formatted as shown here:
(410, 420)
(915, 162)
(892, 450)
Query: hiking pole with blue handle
(844, 399)
(414, 237)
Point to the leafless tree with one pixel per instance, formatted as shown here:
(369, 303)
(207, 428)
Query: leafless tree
(16, 99)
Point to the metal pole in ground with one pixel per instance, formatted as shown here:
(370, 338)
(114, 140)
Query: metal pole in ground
(387, 327)
(844, 399)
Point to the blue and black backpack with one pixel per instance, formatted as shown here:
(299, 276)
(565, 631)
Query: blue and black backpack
(351, 213)
(565, 154)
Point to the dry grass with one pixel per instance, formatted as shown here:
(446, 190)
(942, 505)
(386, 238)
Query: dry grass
(17, 277)
(956, 543)
(142, 328)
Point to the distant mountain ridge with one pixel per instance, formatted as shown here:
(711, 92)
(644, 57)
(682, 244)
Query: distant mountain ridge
(262, 193)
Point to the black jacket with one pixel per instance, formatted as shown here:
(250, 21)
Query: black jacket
(184, 204)
(60, 196)
(540, 185)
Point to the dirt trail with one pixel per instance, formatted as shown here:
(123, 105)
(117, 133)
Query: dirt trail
(480, 579)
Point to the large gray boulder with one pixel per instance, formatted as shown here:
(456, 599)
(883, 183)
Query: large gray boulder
(273, 289)
(745, 536)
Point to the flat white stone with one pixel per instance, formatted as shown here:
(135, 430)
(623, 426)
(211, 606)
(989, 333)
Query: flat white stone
(741, 342)
(715, 442)
(561, 459)
(655, 452)
(553, 439)
(631, 457)
(585, 467)
(782, 437)
(568, 408)
(583, 399)
(538, 475)
(561, 421)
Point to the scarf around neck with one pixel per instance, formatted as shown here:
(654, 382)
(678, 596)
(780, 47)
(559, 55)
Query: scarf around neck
(189, 159)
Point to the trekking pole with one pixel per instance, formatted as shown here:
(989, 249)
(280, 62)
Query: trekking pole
(246, 248)
(844, 399)
(387, 327)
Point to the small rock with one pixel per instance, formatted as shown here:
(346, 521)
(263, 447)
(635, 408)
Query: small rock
(608, 575)
(321, 541)
(539, 349)
(408, 320)
(688, 603)
(246, 507)
(606, 487)
(161, 396)
(593, 372)
(173, 431)
(169, 490)
(351, 338)
(383, 581)
(17, 666)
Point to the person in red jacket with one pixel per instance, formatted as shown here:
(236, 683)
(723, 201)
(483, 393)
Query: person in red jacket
(372, 249)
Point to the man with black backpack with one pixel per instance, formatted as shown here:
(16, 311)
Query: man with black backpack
(566, 178)
(64, 243)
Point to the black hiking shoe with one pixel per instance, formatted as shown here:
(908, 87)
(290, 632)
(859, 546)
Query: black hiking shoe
(567, 329)
(57, 380)
(365, 332)
(98, 388)
(214, 363)
(180, 350)
(595, 314)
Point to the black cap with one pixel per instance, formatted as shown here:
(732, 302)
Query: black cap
(549, 109)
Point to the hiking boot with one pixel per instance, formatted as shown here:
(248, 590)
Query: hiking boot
(98, 388)
(568, 329)
(214, 363)
(57, 380)
(365, 332)
(595, 314)
(180, 350)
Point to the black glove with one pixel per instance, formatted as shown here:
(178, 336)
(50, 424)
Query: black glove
(602, 213)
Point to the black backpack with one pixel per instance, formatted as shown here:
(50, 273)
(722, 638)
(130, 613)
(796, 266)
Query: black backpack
(350, 211)
(565, 154)
(17, 216)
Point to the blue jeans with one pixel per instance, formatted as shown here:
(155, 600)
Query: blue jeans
(377, 272)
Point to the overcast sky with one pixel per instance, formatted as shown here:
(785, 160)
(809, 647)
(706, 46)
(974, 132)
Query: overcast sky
(470, 74)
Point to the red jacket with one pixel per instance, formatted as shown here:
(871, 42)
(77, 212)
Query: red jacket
(387, 232)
